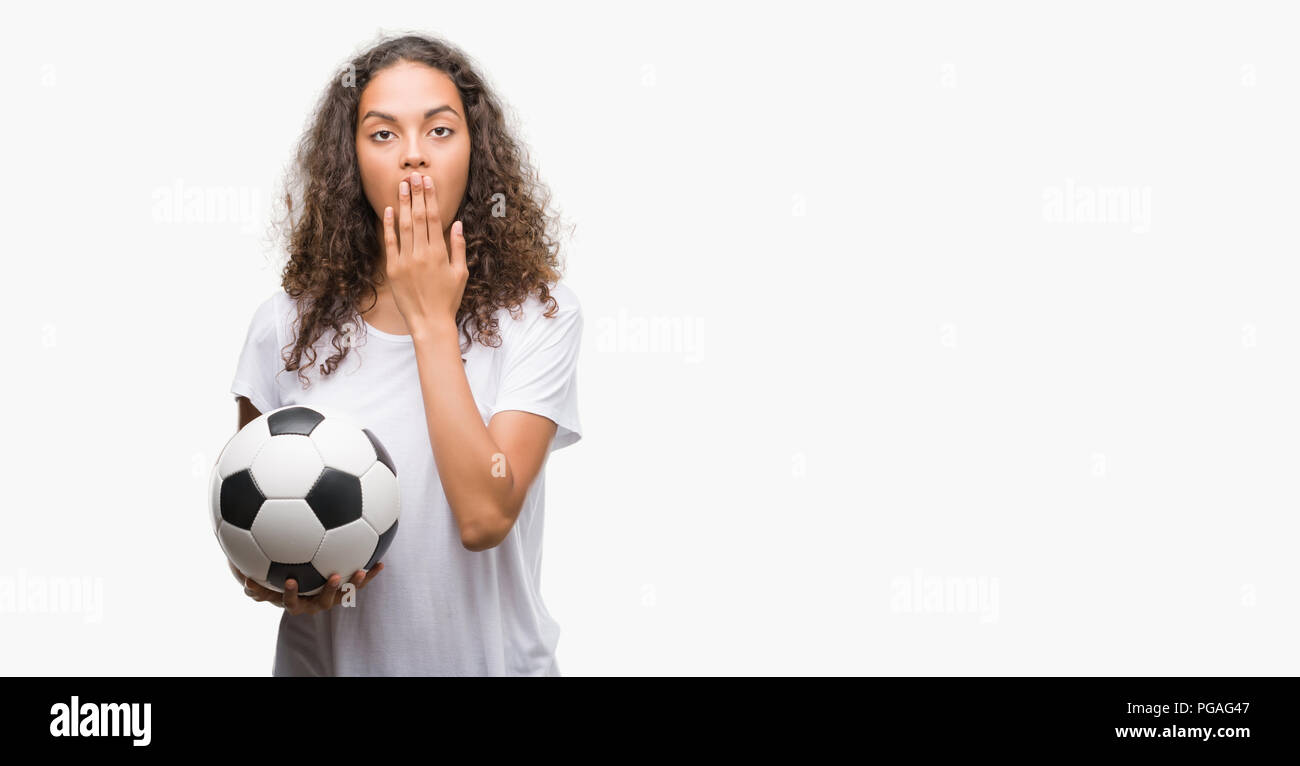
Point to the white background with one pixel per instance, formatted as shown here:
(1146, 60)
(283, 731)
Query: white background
(905, 366)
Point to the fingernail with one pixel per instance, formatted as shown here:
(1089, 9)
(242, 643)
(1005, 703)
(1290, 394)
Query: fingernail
(428, 182)
(388, 214)
(406, 189)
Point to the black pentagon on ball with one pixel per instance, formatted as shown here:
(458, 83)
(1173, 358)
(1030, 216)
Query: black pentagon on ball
(294, 420)
(382, 453)
(384, 540)
(240, 499)
(304, 574)
(336, 498)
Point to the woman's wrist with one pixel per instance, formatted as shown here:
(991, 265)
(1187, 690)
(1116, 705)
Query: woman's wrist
(436, 330)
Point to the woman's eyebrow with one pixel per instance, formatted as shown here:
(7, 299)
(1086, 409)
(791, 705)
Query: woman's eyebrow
(427, 115)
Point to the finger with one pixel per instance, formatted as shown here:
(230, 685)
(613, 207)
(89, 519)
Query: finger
(404, 218)
(370, 576)
(458, 247)
(259, 593)
(431, 210)
(291, 601)
(418, 214)
(390, 235)
(325, 599)
(314, 603)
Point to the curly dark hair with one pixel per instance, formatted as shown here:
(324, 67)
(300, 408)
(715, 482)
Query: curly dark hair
(334, 244)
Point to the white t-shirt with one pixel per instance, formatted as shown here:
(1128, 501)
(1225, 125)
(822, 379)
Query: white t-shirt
(437, 608)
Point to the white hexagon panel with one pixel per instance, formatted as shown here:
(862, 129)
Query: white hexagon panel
(288, 531)
(346, 549)
(380, 498)
(243, 551)
(343, 445)
(287, 466)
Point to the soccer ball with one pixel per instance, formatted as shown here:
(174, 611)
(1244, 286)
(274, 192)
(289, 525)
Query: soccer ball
(304, 493)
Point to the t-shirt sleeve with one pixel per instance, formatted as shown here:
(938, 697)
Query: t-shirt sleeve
(259, 361)
(540, 368)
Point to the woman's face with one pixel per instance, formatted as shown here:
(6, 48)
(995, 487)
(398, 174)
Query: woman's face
(411, 120)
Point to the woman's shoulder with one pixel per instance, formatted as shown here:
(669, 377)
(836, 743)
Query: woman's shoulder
(275, 311)
(275, 303)
(534, 307)
(528, 325)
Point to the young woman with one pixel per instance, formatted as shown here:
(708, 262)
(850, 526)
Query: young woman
(419, 252)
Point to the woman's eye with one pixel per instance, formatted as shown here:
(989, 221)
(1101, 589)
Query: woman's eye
(440, 127)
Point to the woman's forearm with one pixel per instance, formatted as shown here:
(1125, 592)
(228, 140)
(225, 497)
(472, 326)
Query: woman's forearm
(475, 476)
